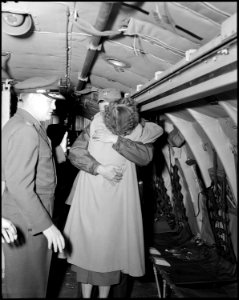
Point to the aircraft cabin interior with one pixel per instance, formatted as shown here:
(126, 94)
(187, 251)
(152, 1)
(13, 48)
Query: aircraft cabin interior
(178, 62)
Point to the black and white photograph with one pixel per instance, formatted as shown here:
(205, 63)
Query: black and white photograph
(119, 149)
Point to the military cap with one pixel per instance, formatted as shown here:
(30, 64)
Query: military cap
(109, 95)
(47, 86)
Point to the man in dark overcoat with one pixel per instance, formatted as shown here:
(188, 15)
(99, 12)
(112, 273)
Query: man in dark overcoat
(29, 177)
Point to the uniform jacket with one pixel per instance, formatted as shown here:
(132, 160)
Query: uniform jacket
(28, 171)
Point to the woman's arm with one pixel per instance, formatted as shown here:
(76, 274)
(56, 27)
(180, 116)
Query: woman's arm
(151, 131)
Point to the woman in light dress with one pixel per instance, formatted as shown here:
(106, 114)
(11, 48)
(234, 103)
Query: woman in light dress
(104, 224)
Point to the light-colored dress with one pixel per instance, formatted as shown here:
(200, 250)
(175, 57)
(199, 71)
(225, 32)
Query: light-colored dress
(104, 224)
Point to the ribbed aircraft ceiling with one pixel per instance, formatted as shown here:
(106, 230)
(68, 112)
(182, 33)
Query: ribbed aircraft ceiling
(147, 37)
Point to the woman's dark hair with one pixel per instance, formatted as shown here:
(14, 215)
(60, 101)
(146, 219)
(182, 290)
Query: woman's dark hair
(121, 118)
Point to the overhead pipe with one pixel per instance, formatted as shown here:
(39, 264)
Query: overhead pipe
(100, 24)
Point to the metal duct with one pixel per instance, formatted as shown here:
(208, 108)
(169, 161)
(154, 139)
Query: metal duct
(100, 25)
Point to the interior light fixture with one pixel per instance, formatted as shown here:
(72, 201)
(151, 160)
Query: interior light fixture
(117, 64)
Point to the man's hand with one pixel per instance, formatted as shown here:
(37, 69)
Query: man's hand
(55, 238)
(104, 136)
(110, 172)
(9, 231)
